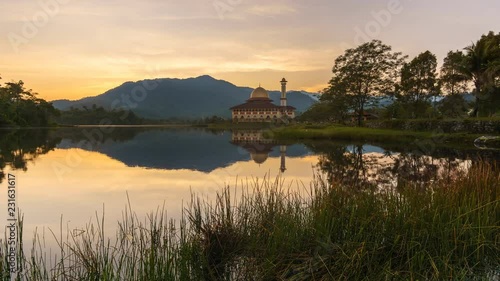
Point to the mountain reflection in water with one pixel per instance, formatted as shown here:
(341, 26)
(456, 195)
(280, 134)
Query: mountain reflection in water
(207, 150)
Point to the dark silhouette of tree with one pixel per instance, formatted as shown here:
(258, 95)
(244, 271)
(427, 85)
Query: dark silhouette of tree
(19, 147)
(364, 73)
(453, 80)
(482, 67)
(419, 83)
(21, 107)
(349, 165)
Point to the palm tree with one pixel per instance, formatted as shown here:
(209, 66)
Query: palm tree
(482, 67)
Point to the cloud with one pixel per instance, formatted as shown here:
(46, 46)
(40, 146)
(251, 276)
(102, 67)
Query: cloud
(102, 42)
(271, 10)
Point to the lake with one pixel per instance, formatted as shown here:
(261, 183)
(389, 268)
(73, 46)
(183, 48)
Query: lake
(67, 177)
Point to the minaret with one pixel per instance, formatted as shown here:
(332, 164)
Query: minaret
(283, 154)
(283, 92)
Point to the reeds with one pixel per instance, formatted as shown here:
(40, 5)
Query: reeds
(450, 230)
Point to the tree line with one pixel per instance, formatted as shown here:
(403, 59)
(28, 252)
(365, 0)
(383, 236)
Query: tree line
(372, 73)
(21, 107)
(98, 115)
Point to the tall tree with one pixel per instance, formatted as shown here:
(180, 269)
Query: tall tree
(419, 82)
(483, 69)
(454, 82)
(364, 73)
(453, 78)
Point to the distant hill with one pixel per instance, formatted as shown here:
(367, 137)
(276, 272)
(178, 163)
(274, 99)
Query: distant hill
(191, 98)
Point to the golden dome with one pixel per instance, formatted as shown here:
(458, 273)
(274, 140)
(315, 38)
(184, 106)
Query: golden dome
(259, 157)
(259, 93)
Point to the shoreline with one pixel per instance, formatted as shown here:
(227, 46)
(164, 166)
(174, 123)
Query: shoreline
(335, 132)
(312, 132)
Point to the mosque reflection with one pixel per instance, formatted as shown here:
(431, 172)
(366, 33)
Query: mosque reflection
(258, 146)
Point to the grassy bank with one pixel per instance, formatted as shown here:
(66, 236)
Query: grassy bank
(319, 132)
(462, 125)
(450, 230)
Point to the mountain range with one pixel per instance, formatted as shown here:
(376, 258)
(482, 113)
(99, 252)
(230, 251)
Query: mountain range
(190, 98)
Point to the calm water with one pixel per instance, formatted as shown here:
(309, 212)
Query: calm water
(69, 175)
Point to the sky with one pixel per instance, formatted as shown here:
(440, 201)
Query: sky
(69, 49)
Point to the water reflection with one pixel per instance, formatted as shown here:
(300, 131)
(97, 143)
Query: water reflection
(258, 146)
(208, 150)
(156, 167)
(70, 174)
(19, 147)
(367, 166)
(178, 149)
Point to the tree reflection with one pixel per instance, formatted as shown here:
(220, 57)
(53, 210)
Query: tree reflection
(19, 147)
(352, 165)
(343, 165)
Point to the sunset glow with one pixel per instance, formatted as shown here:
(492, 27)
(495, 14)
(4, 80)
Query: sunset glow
(71, 49)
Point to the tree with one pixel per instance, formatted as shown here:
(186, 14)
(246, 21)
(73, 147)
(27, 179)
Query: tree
(4, 106)
(320, 111)
(16, 91)
(364, 73)
(332, 107)
(21, 107)
(482, 67)
(419, 82)
(453, 106)
(395, 110)
(453, 78)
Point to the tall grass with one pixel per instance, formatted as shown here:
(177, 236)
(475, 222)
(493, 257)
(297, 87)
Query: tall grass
(450, 230)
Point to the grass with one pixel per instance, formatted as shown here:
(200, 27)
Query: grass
(318, 132)
(262, 231)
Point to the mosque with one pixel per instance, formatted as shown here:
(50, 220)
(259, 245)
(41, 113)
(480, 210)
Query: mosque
(260, 108)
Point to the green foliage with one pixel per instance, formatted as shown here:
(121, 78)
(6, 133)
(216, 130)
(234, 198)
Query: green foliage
(98, 116)
(21, 107)
(482, 67)
(390, 131)
(318, 112)
(453, 79)
(214, 119)
(332, 108)
(348, 134)
(396, 110)
(419, 84)
(363, 73)
(453, 106)
(371, 70)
